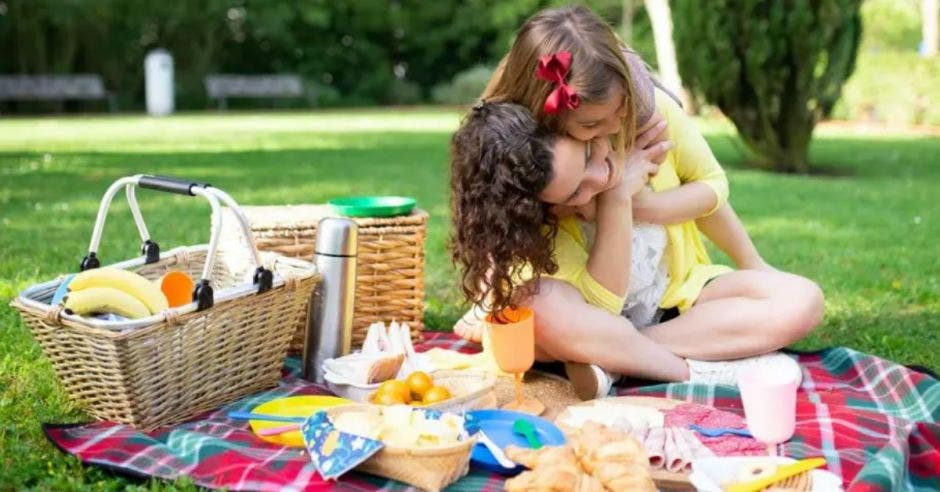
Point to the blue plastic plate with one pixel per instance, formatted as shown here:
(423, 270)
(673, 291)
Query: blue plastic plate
(497, 424)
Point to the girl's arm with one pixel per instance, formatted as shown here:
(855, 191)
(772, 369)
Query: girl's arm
(725, 229)
(702, 196)
(687, 202)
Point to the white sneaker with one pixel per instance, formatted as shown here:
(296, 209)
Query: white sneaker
(590, 381)
(725, 371)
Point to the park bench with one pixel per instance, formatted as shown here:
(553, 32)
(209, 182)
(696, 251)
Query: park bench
(55, 88)
(224, 86)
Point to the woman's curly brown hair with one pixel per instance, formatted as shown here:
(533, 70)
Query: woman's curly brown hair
(501, 161)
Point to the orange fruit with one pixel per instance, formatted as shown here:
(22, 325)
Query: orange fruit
(387, 398)
(435, 394)
(396, 387)
(419, 383)
(177, 286)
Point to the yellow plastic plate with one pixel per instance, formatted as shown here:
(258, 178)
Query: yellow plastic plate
(291, 406)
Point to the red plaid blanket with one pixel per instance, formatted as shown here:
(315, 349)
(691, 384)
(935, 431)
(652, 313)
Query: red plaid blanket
(874, 421)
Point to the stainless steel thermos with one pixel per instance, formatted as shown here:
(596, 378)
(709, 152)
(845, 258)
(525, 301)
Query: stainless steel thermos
(329, 326)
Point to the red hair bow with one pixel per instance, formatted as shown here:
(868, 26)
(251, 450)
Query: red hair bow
(554, 68)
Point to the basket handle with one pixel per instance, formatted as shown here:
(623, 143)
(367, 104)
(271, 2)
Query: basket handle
(202, 294)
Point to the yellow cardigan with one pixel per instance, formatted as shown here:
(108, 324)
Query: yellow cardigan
(689, 266)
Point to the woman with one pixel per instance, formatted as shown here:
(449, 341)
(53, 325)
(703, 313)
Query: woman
(575, 78)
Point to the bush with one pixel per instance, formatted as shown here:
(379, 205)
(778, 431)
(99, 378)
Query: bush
(892, 87)
(891, 83)
(465, 88)
(774, 67)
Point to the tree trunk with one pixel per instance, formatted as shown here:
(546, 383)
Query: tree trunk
(661, 20)
(626, 22)
(930, 12)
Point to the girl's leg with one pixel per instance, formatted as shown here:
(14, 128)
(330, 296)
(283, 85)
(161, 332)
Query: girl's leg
(569, 329)
(741, 314)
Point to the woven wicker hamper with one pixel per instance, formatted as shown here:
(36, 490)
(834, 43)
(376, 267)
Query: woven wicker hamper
(390, 263)
(177, 363)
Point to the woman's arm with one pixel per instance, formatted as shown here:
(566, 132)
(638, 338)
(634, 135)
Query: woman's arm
(610, 256)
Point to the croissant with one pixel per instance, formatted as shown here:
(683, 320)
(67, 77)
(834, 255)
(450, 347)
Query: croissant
(596, 458)
(552, 469)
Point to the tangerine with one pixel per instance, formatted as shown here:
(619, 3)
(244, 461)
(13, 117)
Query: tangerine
(396, 387)
(419, 383)
(387, 398)
(435, 394)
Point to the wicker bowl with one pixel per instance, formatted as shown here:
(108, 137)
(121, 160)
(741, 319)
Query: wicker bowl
(471, 390)
(429, 467)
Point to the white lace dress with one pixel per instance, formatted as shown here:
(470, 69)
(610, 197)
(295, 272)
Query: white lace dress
(649, 275)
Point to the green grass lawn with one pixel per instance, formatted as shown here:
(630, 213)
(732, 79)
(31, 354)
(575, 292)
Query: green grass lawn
(867, 233)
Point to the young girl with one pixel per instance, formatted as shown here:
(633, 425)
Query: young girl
(570, 71)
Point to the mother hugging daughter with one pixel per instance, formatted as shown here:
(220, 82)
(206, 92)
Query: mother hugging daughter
(580, 189)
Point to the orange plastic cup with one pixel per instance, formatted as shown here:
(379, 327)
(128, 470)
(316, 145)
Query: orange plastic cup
(177, 286)
(513, 339)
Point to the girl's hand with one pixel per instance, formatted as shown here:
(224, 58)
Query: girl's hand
(653, 132)
(637, 170)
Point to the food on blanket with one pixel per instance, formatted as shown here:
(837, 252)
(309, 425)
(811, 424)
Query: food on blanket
(177, 286)
(682, 447)
(98, 300)
(419, 383)
(396, 387)
(400, 425)
(596, 458)
(436, 394)
(726, 445)
(130, 283)
(551, 468)
(655, 444)
(612, 414)
(364, 369)
(396, 339)
(754, 471)
(418, 389)
(387, 399)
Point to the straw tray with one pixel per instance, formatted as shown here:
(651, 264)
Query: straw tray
(430, 468)
(471, 390)
(390, 260)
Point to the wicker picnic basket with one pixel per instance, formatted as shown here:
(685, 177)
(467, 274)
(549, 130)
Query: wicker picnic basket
(390, 260)
(428, 468)
(178, 363)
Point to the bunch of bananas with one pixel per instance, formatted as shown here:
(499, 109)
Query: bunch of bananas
(112, 290)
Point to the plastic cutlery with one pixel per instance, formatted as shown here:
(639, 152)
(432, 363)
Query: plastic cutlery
(525, 428)
(273, 431)
(719, 431)
(495, 451)
(783, 472)
(264, 416)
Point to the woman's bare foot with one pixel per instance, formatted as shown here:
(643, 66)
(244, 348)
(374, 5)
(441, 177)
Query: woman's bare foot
(470, 326)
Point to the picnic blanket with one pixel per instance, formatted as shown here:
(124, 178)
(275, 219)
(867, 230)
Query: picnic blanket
(874, 421)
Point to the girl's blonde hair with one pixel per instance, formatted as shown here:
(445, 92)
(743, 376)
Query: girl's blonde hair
(597, 66)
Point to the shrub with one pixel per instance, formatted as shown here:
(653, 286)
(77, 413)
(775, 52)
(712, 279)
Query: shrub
(892, 87)
(774, 67)
(403, 92)
(465, 88)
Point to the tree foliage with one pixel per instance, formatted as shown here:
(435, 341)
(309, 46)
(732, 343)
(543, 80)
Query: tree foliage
(774, 67)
